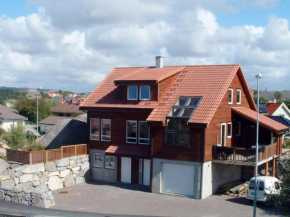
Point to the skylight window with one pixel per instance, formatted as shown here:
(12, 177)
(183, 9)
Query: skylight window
(184, 107)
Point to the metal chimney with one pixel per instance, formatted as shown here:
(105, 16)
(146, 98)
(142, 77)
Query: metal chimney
(159, 62)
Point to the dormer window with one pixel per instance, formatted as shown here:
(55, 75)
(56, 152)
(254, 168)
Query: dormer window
(144, 92)
(132, 93)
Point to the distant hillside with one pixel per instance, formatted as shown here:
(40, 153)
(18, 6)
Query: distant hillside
(10, 94)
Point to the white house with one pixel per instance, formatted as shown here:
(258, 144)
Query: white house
(10, 117)
(278, 109)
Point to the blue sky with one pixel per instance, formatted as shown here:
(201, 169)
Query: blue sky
(73, 45)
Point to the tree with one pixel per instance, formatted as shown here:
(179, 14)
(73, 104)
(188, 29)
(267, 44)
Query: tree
(278, 96)
(262, 99)
(283, 172)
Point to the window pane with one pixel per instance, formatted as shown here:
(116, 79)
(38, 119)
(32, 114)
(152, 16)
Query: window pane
(238, 96)
(181, 101)
(110, 162)
(95, 128)
(145, 92)
(193, 101)
(229, 129)
(143, 132)
(183, 125)
(171, 124)
(252, 185)
(132, 131)
(132, 92)
(98, 160)
(187, 112)
(170, 138)
(175, 111)
(183, 139)
(261, 186)
(106, 129)
(230, 96)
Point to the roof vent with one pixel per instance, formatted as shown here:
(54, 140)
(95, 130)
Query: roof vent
(159, 62)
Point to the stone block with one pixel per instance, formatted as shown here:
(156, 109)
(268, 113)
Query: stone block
(61, 168)
(16, 180)
(35, 178)
(50, 166)
(2, 195)
(33, 168)
(6, 177)
(25, 178)
(64, 173)
(56, 173)
(43, 179)
(62, 162)
(72, 162)
(35, 183)
(27, 185)
(55, 183)
(42, 187)
(7, 183)
(69, 181)
(85, 166)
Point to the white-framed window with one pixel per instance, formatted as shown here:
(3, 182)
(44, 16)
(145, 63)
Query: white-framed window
(239, 96)
(144, 133)
(231, 96)
(239, 128)
(132, 92)
(144, 92)
(95, 128)
(131, 131)
(98, 160)
(106, 130)
(223, 134)
(110, 162)
(229, 130)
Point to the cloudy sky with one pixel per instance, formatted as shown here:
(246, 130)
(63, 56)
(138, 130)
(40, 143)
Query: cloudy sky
(74, 44)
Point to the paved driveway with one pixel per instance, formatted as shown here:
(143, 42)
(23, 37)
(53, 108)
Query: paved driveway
(134, 200)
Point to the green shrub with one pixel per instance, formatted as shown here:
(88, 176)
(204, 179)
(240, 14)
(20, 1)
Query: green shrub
(286, 143)
(15, 137)
(2, 132)
(33, 146)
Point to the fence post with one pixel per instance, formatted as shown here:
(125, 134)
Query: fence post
(30, 158)
(234, 157)
(46, 156)
(75, 150)
(61, 153)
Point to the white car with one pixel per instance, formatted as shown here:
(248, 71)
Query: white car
(267, 186)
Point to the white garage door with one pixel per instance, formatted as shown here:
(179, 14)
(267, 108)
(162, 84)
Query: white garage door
(177, 179)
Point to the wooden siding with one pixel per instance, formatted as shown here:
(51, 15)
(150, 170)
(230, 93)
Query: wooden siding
(118, 126)
(192, 153)
(223, 115)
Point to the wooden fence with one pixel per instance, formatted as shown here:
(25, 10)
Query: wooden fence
(244, 154)
(35, 157)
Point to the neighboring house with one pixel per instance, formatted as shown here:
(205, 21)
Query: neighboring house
(60, 99)
(51, 94)
(66, 132)
(278, 109)
(270, 95)
(181, 130)
(66, 109)
(282, 120)
(10, 117)
(48, 123)
(263, 108)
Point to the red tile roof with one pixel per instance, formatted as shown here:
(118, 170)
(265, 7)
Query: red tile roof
(129, 150)
(66, 108)
(264, 120)
(106, 94)
(52, 120)
(207, 81)
(150, 74)
(272, 107)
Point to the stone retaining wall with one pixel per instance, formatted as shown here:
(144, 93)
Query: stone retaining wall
(32, 184)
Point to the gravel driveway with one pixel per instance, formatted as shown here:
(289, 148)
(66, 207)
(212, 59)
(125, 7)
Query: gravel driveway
(136, 200)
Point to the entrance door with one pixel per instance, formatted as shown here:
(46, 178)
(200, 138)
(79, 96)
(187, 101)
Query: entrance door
(146, 172)
(223, 134)
(126, 169)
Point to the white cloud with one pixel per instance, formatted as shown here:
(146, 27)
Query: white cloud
(74, 45)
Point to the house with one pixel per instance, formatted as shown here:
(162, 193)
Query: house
(66, 109)
(282, 120)
(59, 98)
(48, 123)
(270, 95)
(10, 117)
(52, 94)
(278, 109)
(182, 130)
(263, 108)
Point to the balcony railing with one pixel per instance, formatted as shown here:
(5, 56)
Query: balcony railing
(238, 154)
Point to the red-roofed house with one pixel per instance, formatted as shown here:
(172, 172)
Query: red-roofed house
(278, 109)
(182, 130)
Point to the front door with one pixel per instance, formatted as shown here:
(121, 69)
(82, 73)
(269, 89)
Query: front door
(223, 134)
(126, 169)
(146, 172)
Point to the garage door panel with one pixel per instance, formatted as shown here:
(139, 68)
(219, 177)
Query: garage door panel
(177, 179)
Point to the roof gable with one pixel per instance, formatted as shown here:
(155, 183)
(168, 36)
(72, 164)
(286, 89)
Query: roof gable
(207, 81)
